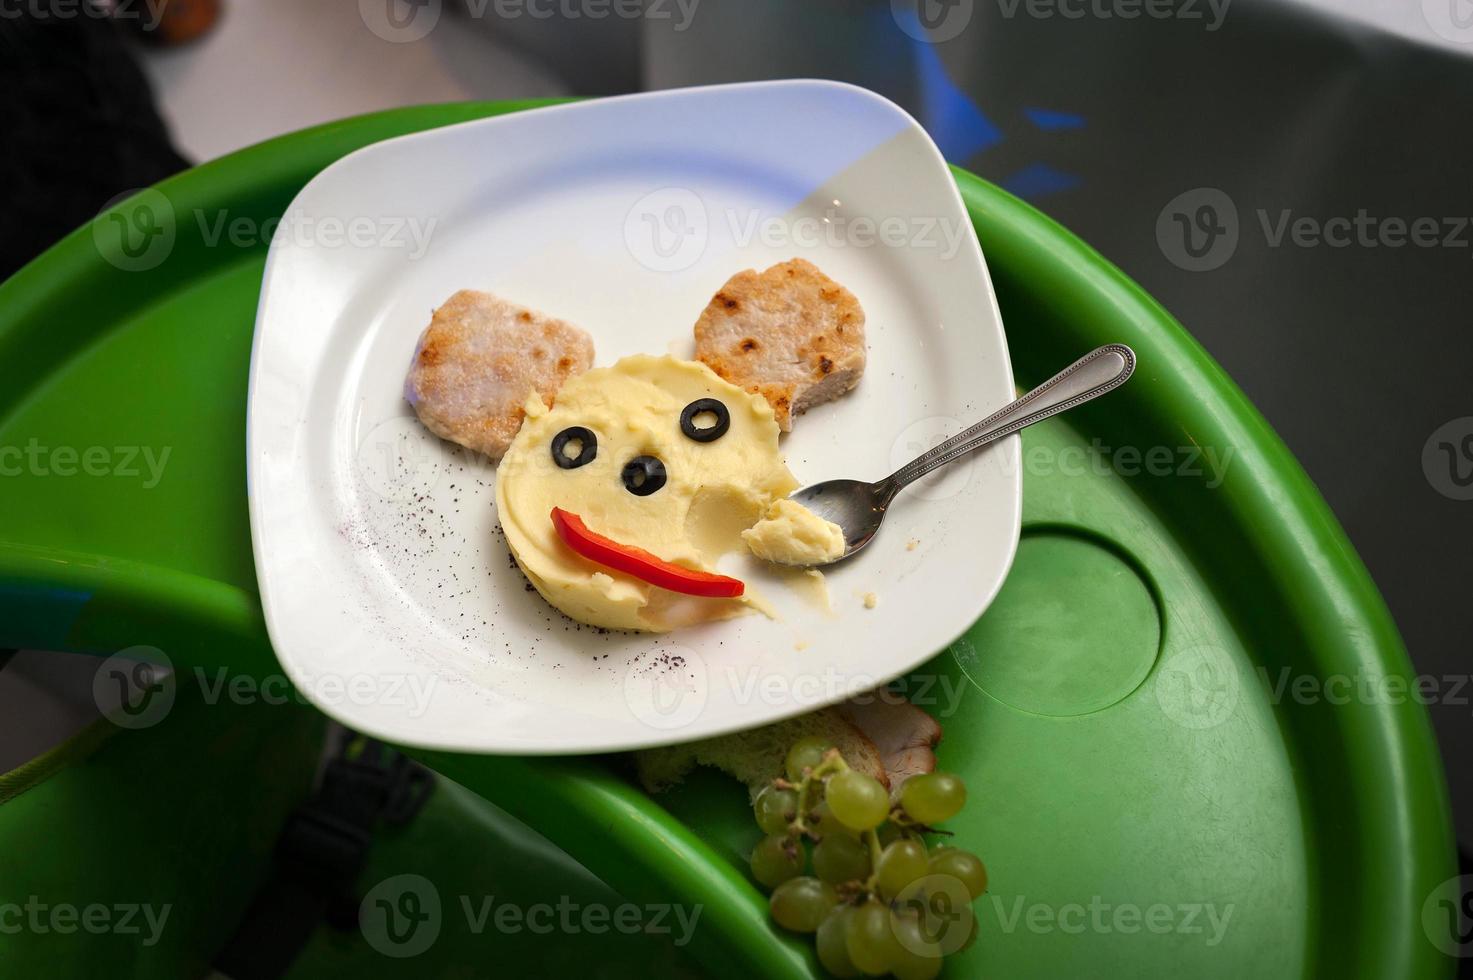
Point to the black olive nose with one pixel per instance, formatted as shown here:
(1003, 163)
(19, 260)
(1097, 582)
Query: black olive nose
(643, 475)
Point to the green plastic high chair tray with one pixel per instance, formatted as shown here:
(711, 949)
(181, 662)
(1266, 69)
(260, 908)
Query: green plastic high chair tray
(133, 853)
(1151, 787)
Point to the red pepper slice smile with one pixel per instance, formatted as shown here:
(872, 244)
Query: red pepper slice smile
(640, 563)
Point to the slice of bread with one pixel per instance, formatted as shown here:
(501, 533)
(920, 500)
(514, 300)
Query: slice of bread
(790, 334)
(756, 757)
(479, 359)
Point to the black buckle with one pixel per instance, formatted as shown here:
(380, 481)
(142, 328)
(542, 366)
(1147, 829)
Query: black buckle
(365, 782)
(320, 854)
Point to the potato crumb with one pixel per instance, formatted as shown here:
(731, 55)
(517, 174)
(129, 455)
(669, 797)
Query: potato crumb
(871, 600)
(912, 544)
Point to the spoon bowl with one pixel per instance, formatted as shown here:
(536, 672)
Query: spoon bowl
(857, 507)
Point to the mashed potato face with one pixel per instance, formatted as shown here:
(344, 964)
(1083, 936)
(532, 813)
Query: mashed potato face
(653, 453)
(791, 534)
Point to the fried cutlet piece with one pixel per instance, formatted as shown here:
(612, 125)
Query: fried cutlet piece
(479, 359)
(790, 334)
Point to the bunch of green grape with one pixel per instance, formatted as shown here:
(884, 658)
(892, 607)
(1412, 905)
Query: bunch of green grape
(878, 899)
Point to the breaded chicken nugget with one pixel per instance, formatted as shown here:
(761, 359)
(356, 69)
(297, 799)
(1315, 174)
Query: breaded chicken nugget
(790, 334)
(479, 359)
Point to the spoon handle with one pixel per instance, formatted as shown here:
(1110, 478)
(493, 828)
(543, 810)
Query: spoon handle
(1097, 372)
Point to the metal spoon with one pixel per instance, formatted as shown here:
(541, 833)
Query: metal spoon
(858, 507)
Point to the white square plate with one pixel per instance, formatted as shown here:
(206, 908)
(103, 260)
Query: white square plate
(388, 590)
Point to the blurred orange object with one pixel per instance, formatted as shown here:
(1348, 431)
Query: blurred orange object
(175, 22)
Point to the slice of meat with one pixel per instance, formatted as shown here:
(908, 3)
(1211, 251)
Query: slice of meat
(791, 334)
(479, 359)
(904, 734)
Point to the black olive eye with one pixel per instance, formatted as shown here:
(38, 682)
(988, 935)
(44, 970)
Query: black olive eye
(705, 433)
(643, 475)
(575, 437)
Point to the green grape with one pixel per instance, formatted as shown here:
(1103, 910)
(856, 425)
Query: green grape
(953, 927)
(872, 944)
(941, 909)
(825, 824)
(775, 809)
(858, 800)
(801, 904)
(806, 753)
(901, 863)
(963, 866)
(933, 797)
(833, 943)
(840, 857)
(917, 958)
(775, 859)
